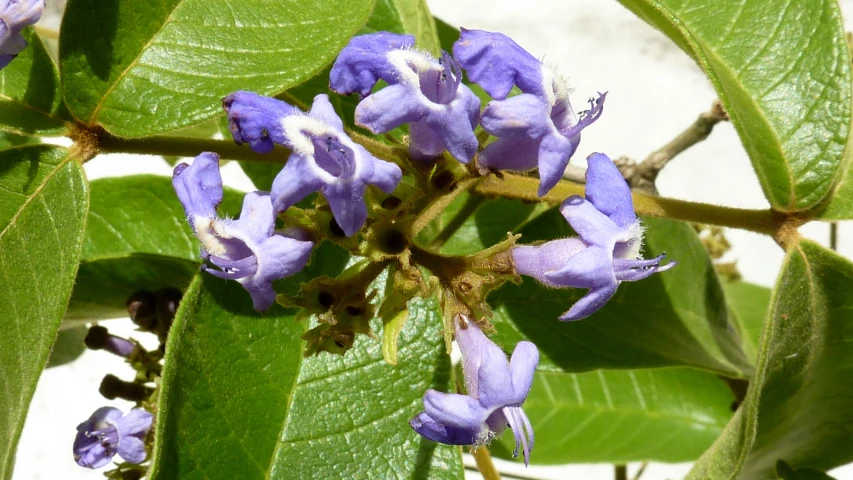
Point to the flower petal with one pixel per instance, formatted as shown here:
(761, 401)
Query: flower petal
(555, 151)
(364, 61)
(496, 63)
(299, 178)
(524, 115)
(522, 367)
(593, 226)
(389, 108)
(590, 303)
(449, 435)
(132, 450)
(511, 153)
(199, 186)
(322, 109)
(257, 120)
(134, 422)
(608, 191)
(347, 203)
(454, 410)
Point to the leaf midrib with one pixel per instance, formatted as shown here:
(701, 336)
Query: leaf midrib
(97, 110)
(35, 192)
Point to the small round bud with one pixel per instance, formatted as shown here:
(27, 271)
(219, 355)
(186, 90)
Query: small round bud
(97, 337)
(142, 308)
(393, 241)
(391, 202)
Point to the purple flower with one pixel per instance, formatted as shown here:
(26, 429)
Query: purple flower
(324, 158)
(606, 251)
(426, 93)
(14, 16)
(496, 391)
(108, 432)
(538, 127)
(246, 249)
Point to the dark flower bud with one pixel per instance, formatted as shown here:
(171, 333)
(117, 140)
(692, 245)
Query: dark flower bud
(113, 387)
(142, 308)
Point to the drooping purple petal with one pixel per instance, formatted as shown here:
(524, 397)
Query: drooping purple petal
(454, 410)
(522, 366)
(256, 119)
(437, 432)
(608, 191)
(590, 303)
(199, 186)
(364, 61)
(14, 17)
(496, 63)
(555, 151)
(511, 153)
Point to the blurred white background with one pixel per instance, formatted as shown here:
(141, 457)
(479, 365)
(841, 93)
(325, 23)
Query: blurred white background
(655, 91)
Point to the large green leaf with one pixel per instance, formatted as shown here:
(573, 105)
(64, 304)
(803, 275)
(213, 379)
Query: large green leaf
(139, 67)
(239, 401)
(782, 70)
(30, 97)
(43, 202)
(798, 406)
(612, 416)
(677, 317)
(748, 307)
(137, 238)
(405, 16)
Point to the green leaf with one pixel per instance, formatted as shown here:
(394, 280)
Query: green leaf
(673, 318)
(137, 239)
(68, 346)
(405, 16)
(748, 305)
(30, 98)
(139, 67)
(240, 401)
(770, 61)
(612, 416)
(43, 202)
(797, 408)
(787, 473)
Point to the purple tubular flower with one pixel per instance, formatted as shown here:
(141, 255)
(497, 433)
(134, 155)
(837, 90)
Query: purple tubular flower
(108, 432)
(606, 251)
(538, 127)
(14, 16)
(247, 249)
(496, 391)
(251, 119)
(426, 93)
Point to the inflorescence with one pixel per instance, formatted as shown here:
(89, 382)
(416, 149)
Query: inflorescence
(373, 193)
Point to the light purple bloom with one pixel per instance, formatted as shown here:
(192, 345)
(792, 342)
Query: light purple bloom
(426, 93)
(496, 391)
(538, 127)
(606, 251)
(14, 16)
(247, 249)
(108, 432)
(324, 158)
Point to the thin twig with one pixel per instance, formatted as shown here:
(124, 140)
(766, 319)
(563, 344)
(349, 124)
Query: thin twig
(642, 175)
(640, 471)
(833, 236)
(185, 147)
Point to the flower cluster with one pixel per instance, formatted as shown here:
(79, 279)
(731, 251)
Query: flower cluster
(534, 126)
(606, 250)
(14, 16)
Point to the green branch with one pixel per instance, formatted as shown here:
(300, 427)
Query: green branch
(524, 188)
(165, 145)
